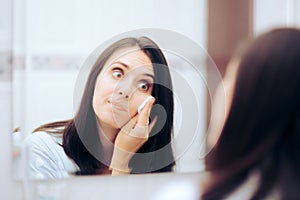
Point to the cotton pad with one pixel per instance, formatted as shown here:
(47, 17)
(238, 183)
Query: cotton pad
(143, 104)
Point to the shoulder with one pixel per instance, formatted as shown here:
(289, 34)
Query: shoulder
(44, 142)
(47, 158)
(43, 138)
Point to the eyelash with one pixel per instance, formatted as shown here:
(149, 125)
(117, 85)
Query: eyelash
(145, 82)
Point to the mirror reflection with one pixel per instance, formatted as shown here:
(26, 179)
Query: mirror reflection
(47, 104)
(123, 121)
(108, 135)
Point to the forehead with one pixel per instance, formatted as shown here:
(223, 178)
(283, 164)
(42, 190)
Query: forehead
(133, 57)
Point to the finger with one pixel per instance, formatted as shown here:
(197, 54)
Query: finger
(152, 124)
(144, 103)
(143, 117)
(129, 125)
(142, 132)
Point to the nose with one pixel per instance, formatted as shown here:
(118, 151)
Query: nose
(121, 93)
(125, 87)
(125, 90)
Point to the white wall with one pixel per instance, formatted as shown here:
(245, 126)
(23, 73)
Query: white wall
(270, 14)
(10, 189)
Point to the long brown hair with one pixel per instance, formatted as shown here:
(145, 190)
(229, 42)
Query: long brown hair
(80, 134)
(262, 131)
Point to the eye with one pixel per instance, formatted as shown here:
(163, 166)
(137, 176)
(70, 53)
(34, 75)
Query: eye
(117, 73)
(144, 85)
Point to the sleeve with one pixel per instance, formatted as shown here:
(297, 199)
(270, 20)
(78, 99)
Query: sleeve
(43, 162)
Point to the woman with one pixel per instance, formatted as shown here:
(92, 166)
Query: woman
(107, 134)
(257, 153)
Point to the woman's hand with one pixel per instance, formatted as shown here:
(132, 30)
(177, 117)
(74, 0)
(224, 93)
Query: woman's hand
(130, 139)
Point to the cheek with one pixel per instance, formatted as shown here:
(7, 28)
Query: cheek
(103, 90)
(97, 101)
(221, 104)
(135, 102)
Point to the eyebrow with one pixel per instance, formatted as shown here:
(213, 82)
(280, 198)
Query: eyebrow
(149, 75)
(118, 62)
(126, 66)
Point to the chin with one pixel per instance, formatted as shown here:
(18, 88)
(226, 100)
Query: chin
(109, 121)
(114, 119)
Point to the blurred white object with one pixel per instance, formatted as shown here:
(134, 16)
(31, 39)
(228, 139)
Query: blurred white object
(179, 190)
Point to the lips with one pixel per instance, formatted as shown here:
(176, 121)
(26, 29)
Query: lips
(117, 105)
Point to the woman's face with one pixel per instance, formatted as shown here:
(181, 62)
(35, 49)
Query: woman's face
(125, 81)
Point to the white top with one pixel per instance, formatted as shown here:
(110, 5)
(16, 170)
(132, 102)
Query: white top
(47, 158)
